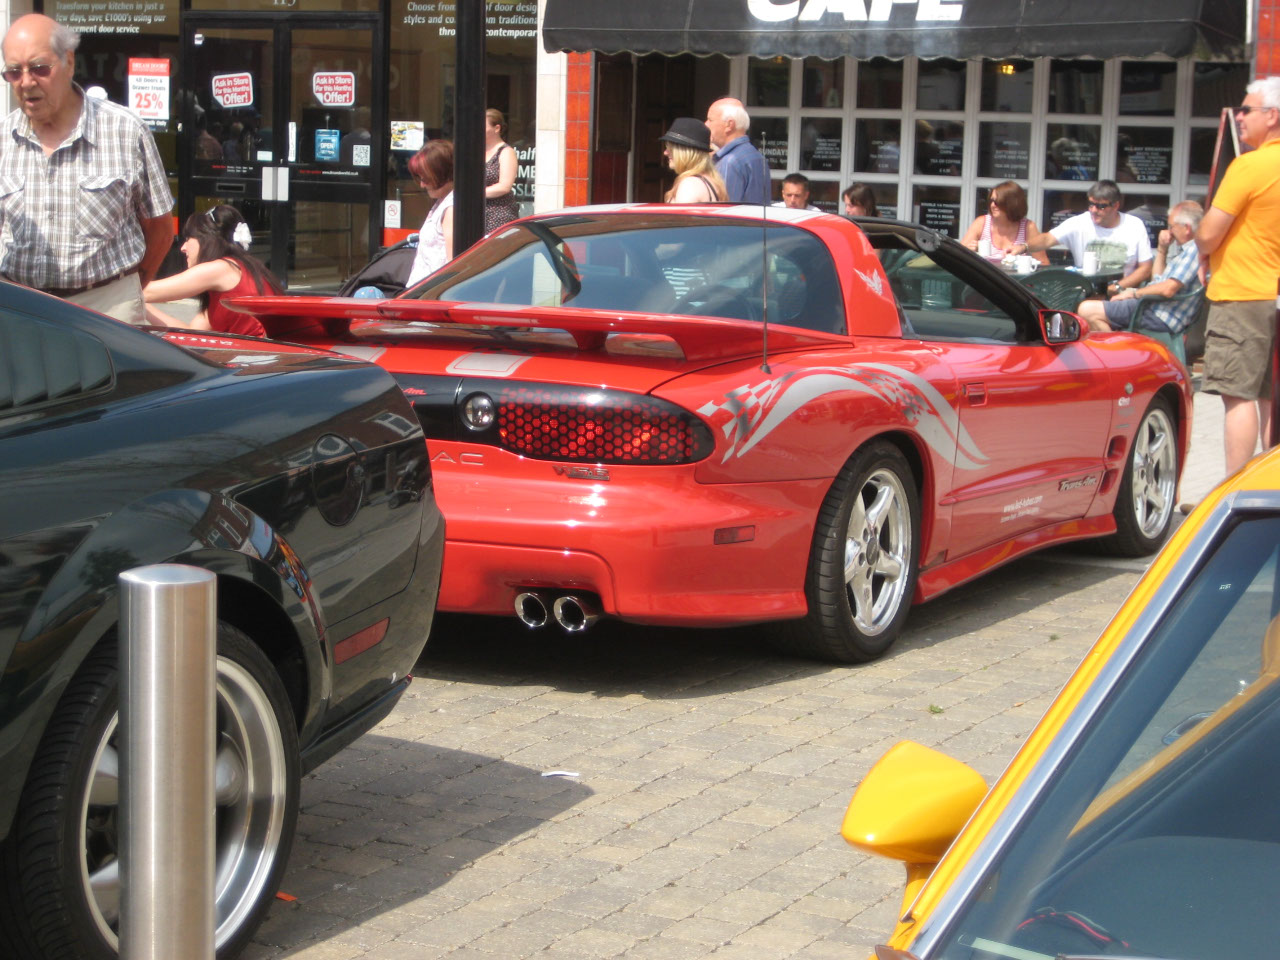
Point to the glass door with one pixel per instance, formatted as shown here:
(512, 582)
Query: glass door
(279, 121)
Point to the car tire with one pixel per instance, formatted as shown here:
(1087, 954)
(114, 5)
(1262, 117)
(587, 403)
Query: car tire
(863, 564)
(63, 843)
(1145, 501)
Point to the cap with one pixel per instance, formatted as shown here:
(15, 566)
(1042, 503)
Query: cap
(689, 132)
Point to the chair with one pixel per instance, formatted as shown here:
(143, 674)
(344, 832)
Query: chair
(1176, 342)
(1057, 287)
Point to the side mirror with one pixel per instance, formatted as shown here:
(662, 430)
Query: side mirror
(1058, 326)
(910, 806)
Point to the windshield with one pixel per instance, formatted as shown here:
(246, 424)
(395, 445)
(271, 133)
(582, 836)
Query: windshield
(686, 266)
(1159, 836)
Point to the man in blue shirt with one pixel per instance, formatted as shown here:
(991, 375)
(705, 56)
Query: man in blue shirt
(744, 171)
(1181, 275)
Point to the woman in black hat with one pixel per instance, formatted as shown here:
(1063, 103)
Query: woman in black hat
(687, 147)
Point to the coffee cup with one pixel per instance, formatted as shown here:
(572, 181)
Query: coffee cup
(984, 249)
(1090, 261)
(1026, 264)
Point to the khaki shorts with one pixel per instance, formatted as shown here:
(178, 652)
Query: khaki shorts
(1238, 342)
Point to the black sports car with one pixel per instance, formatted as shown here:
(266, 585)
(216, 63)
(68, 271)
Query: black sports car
(300, 479)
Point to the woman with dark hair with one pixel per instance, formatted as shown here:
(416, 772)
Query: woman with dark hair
(995, 233)
(432, 167)
(860, 201)
(500, 167)
(215, 244)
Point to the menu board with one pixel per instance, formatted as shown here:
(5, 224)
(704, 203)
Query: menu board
(769, 134)
(1072, 152)
(1144, 154)
(1004, 150)
(939, 215)
(820, 144)
(877, 146)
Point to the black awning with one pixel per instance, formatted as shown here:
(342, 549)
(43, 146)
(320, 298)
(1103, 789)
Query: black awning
(963, 29)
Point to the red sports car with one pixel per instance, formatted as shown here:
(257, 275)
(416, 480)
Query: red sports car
(705, 416)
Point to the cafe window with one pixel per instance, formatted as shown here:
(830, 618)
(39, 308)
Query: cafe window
(880, 84)
(1148, 88)
(1007, 86)
(1151, 208)
(1200, 159)
(940, 85)
(1218, 85)
(1004, 150)
(769, 135)
(820, 143)
(939, 147)
(768, 83)
(823, 84)
(878, 146)
(1071, 151)
(937, 207)
(1060, 205)
(1144, 154)
(1075, 86)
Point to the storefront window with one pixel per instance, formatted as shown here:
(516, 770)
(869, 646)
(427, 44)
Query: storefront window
(823, 83)
(825, 195)
(1072, 152)
(1004, 150)
(1075, 86)
(1144, 154)
(1200, 162)
(1151, 208)
(877, 146)
(274, 6)
(940, 85)
(768, 82)
(1147, 88)
(769, 134)
(880, 84)
(1058, 205)
(1218, 85)
(820, 143)
(937, 207)
(1007, 85)
(939, 147)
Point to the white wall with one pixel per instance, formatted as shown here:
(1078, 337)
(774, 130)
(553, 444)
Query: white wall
(552, 99)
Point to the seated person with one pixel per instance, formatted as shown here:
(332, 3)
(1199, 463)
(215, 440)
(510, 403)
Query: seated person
(795, 192)
(1119, 239)
(1182, 274)
(860, 200)
(994, 234)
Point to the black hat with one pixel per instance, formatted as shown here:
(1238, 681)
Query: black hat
(688, 132)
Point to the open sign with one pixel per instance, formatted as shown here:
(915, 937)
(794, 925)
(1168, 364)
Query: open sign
(233, 90)
(334, 89)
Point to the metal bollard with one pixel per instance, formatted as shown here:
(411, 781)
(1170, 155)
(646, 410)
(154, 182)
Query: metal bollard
(168, 670)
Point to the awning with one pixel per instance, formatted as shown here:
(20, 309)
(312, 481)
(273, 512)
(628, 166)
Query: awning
(963, 29)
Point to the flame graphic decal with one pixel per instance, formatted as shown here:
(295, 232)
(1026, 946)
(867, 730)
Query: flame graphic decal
(753, 411)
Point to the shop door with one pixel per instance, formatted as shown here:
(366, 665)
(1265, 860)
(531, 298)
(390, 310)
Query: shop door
(278, 120)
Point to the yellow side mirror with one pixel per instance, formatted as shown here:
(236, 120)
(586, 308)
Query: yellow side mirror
(911, 804)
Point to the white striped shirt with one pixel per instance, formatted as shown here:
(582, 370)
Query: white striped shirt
(71, 219)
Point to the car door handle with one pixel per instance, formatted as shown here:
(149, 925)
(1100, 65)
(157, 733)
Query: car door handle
(975, 393)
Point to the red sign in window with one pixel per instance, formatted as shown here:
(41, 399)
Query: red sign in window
(233, 89)
(334, 89)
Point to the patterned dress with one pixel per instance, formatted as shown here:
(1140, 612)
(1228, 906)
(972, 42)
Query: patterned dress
(497, 210)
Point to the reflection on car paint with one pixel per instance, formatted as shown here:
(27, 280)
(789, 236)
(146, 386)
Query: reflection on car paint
(751, 412)
(486, 364)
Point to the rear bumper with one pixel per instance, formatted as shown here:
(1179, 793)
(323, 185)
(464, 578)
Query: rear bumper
(643, 542)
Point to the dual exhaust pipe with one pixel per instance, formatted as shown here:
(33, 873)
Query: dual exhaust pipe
(574, 613)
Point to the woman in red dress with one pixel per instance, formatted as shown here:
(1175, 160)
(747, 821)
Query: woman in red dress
(219, 267)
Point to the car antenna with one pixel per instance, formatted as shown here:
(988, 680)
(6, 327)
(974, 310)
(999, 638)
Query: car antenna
(764, 259)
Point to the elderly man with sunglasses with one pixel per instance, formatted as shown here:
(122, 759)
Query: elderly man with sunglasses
(84, 199)
(1119, 239)
(1240, 237)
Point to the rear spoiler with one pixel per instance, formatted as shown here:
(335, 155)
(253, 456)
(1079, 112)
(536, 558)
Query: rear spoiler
(341, 318)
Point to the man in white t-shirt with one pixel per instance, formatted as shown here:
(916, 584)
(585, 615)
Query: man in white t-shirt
(1119, 240)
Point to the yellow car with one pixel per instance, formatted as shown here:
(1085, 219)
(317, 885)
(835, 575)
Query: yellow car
(1141, 818)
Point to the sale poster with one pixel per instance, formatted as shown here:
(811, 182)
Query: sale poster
(334, 88)
(232, 90)
(149, 87)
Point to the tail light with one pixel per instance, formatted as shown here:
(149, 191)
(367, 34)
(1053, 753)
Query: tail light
(598, 426)
(562, 423)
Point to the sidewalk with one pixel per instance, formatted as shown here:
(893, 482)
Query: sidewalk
(1205, 467)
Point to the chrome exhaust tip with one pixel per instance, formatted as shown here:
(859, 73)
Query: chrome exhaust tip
(531, 609)
(575, 614)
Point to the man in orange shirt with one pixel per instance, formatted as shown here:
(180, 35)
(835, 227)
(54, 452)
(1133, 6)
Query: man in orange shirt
(1240, 239)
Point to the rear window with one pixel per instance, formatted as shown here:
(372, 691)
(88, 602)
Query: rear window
(686, 266)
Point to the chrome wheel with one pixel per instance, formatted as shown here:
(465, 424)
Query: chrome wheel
(877, 552)
(1154, 473)
(255, 795)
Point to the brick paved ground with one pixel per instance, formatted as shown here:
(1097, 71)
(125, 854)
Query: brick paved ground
(712, 777)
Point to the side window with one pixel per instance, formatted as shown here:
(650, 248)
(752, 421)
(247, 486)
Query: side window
(43, 363)
(941, 304)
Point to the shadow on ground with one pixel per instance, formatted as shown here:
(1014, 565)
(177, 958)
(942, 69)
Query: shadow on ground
(619, 659)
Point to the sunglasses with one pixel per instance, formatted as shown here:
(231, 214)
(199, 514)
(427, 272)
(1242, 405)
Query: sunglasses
(1096, 205)
(1244, 111)
(40, 71)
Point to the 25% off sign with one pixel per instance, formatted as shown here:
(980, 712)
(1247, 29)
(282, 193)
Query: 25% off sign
(149, 87)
